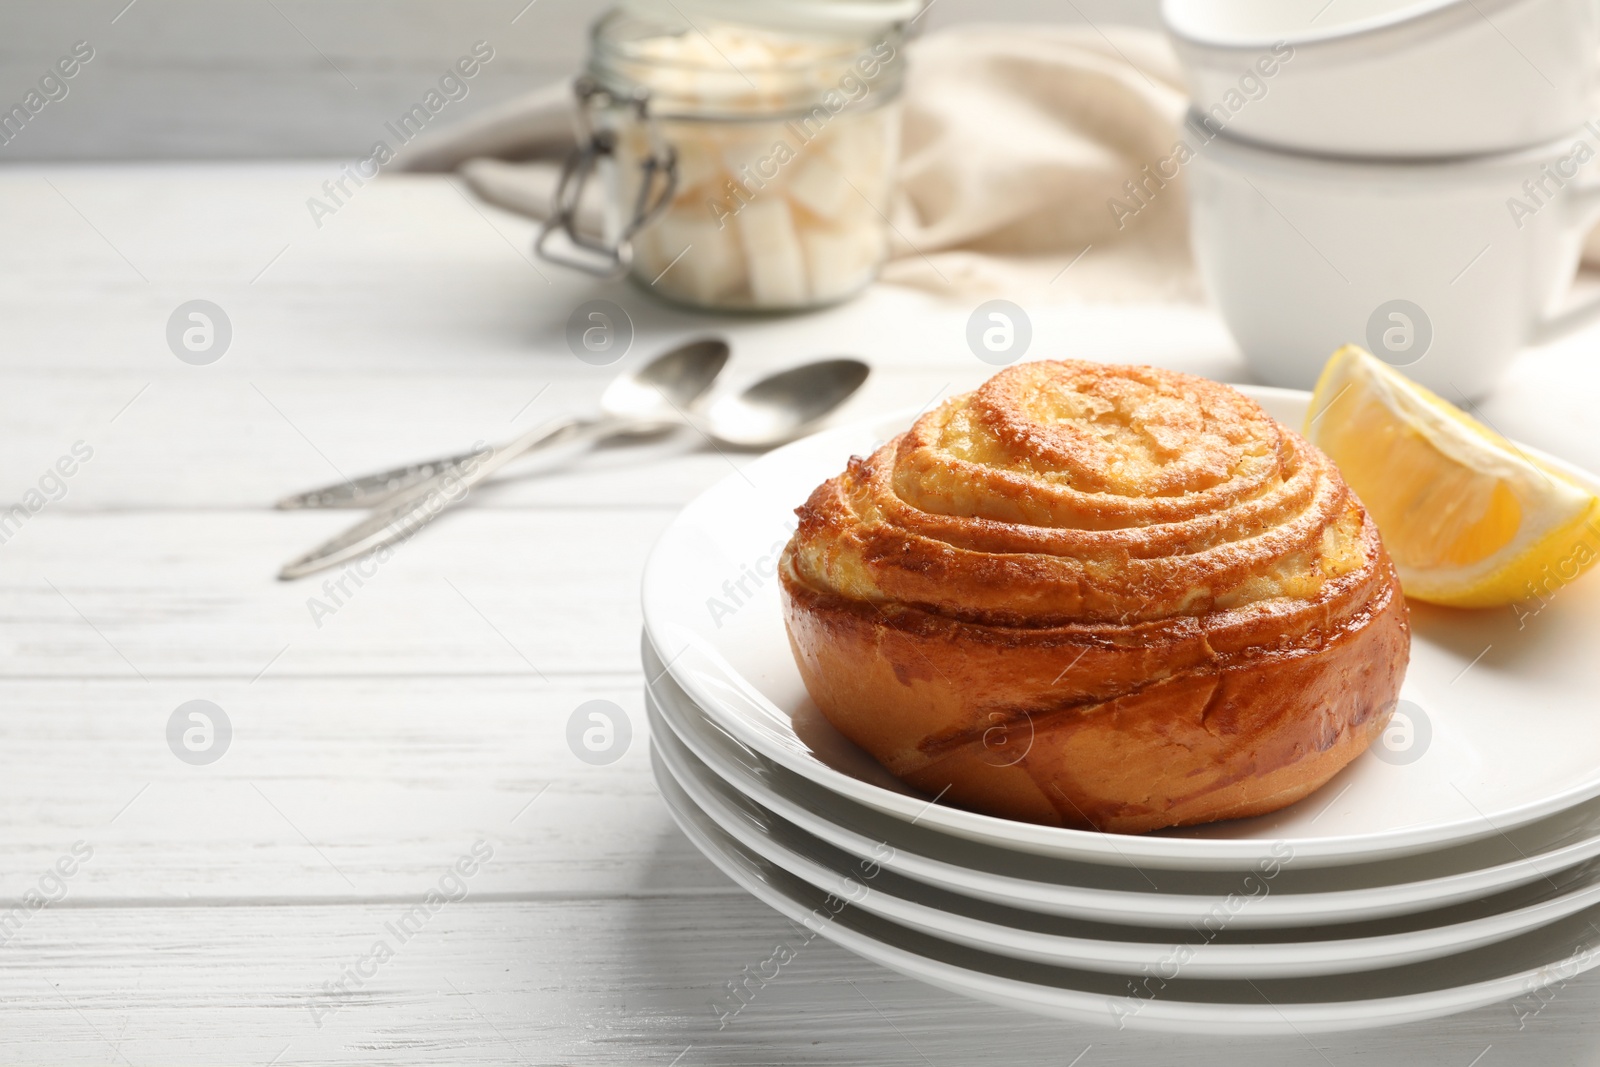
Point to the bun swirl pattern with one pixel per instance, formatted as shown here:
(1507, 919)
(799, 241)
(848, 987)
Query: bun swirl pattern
(1105, 597)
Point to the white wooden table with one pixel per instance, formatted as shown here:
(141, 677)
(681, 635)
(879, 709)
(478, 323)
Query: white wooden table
(229, 912)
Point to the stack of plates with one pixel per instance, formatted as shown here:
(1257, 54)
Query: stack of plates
(1457, 864)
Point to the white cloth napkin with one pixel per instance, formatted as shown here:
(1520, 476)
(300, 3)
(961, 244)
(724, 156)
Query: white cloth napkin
(1016, 142)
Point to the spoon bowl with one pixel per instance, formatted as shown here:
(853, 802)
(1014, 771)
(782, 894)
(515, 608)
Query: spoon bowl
(783, 406)
(667, 386)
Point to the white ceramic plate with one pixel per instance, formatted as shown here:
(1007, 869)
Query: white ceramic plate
(1542, 854)
(1507, 701)
(1214, 950)
(1167, 1000)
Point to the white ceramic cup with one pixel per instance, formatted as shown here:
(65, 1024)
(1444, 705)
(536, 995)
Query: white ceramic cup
(1444, 269)
(1390, 78)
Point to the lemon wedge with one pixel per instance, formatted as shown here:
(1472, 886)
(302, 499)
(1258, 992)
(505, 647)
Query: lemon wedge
(1470, 519)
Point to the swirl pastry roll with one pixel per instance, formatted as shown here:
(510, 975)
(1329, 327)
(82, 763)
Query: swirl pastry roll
(1104, 597)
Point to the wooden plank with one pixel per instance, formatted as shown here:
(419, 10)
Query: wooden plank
(594, 982)
(332, 789)
(133, 595)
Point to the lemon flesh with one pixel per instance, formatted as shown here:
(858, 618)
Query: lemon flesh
(1469, 519)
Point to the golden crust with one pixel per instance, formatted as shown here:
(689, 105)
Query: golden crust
(1098, 596)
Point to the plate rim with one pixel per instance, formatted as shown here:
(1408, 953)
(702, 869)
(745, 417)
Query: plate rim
(1283, 959)
(1155, 1014)
(1330, 906)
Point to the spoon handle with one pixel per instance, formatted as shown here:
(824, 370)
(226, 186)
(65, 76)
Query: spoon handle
(427, 500)
(372, 490)
(398, 483)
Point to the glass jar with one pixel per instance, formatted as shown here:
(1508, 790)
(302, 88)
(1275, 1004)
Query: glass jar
(744, 166)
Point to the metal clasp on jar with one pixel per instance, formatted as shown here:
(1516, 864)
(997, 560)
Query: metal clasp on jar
(610, 256)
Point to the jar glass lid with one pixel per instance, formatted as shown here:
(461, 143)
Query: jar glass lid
(822, 16)
(757, 59)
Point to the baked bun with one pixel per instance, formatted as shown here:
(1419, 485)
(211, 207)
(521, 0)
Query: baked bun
(1104, 597)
